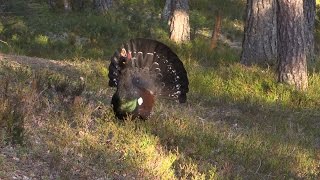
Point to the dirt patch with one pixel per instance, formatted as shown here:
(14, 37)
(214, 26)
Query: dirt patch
(41, 63)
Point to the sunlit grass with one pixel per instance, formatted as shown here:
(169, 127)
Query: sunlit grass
(42, 40)
(250, 85)
(221, 132)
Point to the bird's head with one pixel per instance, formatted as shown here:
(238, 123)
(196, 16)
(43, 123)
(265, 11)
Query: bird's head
(125, 58)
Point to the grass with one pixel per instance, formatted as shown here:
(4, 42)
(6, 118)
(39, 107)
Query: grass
(226, 134)
(238, 123)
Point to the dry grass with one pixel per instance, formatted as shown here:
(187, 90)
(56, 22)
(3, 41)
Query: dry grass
(70, 131)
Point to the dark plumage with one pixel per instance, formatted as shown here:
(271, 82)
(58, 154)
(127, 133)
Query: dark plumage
(143, 69)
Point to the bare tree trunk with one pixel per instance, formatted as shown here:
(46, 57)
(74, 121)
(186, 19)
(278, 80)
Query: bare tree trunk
(167, 10)
(78, 5)
(67, 5)
(51, 4)
(179, 23)
(260, 33)
(216, 31)
(310, 14)
(102, 5)
(60, 5)
(292, 44)
(2, 6)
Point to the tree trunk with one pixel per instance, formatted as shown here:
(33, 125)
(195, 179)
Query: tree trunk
(67, 5)
(52, 4)
(102, 6)
(216, 31)
(167, 11)
(60, 5)
(260, 33)
(179, 23)
(78, 5)
(292, 44)
(310, 14)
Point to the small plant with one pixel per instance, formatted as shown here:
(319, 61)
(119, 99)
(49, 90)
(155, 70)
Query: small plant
(11, 117)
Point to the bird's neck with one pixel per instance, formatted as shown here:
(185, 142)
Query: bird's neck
(129, 106)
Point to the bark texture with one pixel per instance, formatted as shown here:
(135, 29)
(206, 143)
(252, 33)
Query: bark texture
(179, 22)
(167, 10)
(216, 31)
(310, 14)
(60, 4)
(102, 6)
(291, 44)
(260, 33)
(67, 5)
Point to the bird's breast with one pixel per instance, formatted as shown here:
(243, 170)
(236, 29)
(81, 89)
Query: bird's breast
(147, 102)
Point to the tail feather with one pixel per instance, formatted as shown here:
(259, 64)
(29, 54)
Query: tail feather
(114, 70)
(148, 60)
(139, 60)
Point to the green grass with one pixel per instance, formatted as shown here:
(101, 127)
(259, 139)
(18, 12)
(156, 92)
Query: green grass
(238, 123)
(221, 132)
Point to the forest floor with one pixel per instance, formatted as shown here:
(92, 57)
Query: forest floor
(215, 134)
(204, 137)
(22, 163)
(39, 63)
(13, 166)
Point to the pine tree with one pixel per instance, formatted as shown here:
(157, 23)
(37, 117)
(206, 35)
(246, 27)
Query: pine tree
(179, 21)
(260, 33)
(292, 51)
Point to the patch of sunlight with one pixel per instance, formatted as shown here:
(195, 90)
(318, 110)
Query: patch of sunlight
(238, 25)
(151, 157)
(206, 32)
(19, 27)
(103, 71)
(190, 170)
(42, 40)
(306, 165)
(15, 38)
(275, 153)
(95, 52)
(141, 150)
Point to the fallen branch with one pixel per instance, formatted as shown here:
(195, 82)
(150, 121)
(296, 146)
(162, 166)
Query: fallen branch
(4, 42)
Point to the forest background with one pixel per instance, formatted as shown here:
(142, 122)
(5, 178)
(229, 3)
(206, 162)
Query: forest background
(239, 122)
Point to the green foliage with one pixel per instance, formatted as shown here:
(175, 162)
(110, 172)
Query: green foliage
(19, 7)
(198, 22)
(233, 9)
(69, 35)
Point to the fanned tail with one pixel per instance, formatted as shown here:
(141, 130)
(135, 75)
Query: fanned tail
(156, 57)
